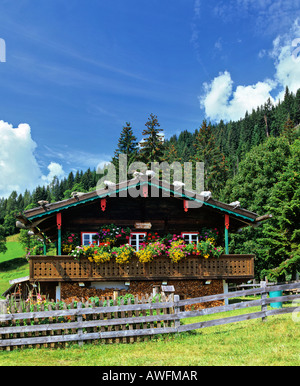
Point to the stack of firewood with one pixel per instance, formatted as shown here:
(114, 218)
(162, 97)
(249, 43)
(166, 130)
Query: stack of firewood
(186, 289)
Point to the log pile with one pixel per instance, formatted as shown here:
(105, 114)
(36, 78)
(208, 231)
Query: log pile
(186, 289)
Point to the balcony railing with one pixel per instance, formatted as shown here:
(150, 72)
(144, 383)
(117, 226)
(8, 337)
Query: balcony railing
(66, 268)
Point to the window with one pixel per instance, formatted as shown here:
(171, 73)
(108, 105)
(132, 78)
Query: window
(190, 237)
(87, 238)
(136, 238)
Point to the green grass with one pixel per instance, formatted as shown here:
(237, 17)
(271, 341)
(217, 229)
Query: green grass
(12, 263)
(253, 343)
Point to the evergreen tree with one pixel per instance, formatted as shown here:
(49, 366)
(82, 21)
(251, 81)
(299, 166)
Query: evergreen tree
(3, 247)
(281, 241)
(289, 131)
(127, 145)
(215, 166)
(70, 180)
(296, 108)
(259, 172)
(152, 147)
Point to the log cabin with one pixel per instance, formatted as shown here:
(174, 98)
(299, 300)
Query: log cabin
(144, 204)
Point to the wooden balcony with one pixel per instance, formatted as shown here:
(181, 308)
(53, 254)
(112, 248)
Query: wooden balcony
(65, 268)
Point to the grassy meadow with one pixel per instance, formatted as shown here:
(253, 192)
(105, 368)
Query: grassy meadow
(12, 263)
(275, 342)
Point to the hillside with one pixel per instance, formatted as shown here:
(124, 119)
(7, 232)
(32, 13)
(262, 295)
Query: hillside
(12, 263)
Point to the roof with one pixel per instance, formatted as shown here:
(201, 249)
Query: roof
(33, 217)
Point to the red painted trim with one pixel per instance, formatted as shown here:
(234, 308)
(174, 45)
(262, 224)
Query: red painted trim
(145, 191)
(189, 233)
(227, 221)
(87, 233)
(58, 220)
(185, 205)
(103, 204)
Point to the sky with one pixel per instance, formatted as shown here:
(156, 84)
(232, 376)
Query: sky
(72, 73)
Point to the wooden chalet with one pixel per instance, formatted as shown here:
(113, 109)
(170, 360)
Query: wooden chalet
(143, 204)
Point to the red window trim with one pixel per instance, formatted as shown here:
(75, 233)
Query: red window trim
(88, 233)
(189, 233)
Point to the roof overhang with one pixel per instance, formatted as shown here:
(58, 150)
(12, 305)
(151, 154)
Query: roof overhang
(33, 217)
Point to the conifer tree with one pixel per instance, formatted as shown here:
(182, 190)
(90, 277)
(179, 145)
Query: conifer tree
(281, 238)
(152, 147)
(127, 145)
(3, 247)
(289, 131)
(215, 165)
(296, 108)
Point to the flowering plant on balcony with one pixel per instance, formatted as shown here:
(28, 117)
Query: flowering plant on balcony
(69, 241)
(93, 252)
(100, 255)
(123, 254)
(148, 252)
(112, 234)
(171, 245)
(177, 250)
(209, 233)
(207, 248)
(151, 236)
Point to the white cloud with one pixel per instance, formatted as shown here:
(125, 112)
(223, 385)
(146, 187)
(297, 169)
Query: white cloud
(287, 66)
(19, 169)
(55, 170)
(221, 101)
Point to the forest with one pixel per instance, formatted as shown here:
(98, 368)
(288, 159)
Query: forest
(254, 160)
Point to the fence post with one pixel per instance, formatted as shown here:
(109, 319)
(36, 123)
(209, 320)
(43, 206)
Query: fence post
(3, 306)
(79, 319)
(116, 294)
(264, 295)
(176, 310)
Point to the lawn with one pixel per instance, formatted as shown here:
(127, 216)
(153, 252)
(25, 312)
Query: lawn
(253, 343)
(12, 263)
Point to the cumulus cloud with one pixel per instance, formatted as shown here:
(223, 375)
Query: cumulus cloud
(287, 66)
(221, 101)
(55, 170)
(19, 169)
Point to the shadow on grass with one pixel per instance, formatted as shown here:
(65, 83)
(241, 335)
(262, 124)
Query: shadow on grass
(9, 265)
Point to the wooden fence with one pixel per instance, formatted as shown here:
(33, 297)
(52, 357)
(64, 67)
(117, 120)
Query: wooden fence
(127, 323)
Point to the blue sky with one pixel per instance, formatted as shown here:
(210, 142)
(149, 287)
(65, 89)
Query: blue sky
(77, 71)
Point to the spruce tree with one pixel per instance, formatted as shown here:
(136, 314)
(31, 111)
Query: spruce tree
(289, 131)
(127, 145)
(152, 147)
(215, 164)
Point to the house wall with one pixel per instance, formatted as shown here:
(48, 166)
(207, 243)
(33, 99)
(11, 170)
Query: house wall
(166, 215)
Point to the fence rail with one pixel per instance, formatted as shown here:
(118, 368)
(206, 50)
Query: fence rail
(128, 323)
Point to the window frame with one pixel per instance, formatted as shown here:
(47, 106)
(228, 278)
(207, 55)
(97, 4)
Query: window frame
(190, 234)
(137, 247)
(91, 240)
